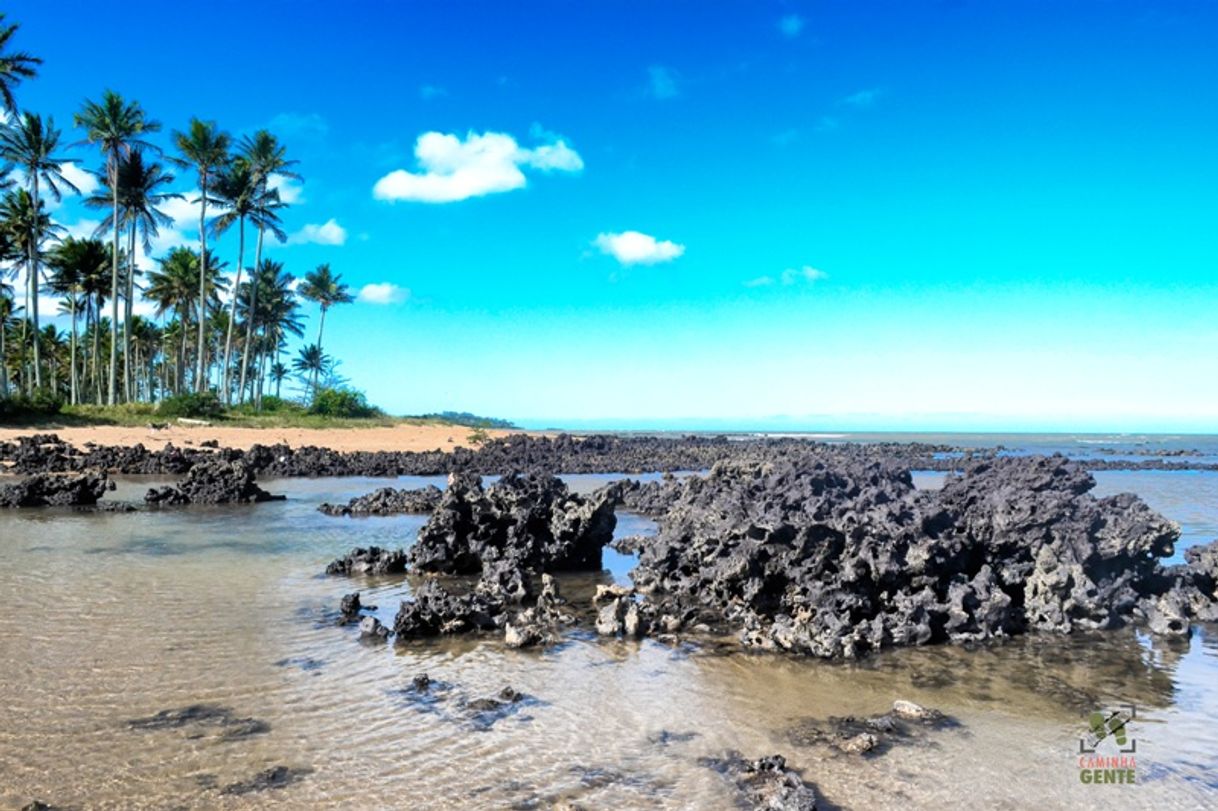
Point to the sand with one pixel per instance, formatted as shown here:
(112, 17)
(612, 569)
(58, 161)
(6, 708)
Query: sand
(379, 438)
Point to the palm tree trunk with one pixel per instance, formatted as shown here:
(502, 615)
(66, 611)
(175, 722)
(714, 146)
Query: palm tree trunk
(111, 390)
(200, 377)
(320, 354)
(249, 326)
(232, 313)
(185, 328)
(128, 370)
(33, 280)
(97, 308)
(3, 361)
(75, 387)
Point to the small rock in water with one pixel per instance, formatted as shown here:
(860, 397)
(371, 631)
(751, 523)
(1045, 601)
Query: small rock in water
(859, 744)
(765, 784)
(915, 712)
(274, 778)
(421, 683)
(370, 628)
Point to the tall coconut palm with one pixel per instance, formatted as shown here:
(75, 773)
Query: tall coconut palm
(235, 191)
(75, 262)
(116, 127)
(26, 227)
(205, 148)
(326, 289)
(274, 313)
(15, 66)
(174, 287)
(268, 160)
(139, 190)
(8, 306)
(30, 144)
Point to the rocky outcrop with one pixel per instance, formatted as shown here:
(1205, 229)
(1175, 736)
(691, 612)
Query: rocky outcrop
(530, 522)
(388, 501)
(372, 560)
(841, 561)
(434, 610)
(651, 498)
(53, 490)
(214, 481)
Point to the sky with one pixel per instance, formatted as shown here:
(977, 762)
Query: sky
(820, 215)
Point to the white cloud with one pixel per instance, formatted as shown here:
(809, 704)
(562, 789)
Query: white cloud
(86, 182)
(864, 98)
(328, 233)
(290, 192)
(428, 92)
(454, 169)
(383, 293)
(635, 248)
(663, 82)
(788, 277)
(791, 25)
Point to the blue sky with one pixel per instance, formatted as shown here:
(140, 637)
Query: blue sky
(828, 215)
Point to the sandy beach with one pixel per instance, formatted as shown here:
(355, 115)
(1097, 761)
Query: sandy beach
(376, 438)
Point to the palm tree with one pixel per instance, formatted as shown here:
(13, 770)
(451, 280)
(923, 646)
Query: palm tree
(235, 189)
(115, 126)
(267, 159)
(275, 313)
(139, 184)
(173, 287)
(279, 373)
(326, 289)
(14, 67)
(8, 306)
(205, 148)
(74, 262)
(30, 144)
(310, 363)
(25, 227)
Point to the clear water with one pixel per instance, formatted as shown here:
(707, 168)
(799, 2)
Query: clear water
(107, 618)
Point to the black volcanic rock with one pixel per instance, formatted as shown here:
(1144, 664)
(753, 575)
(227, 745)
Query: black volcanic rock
(530, 521)
(388, 501)
(214, 481)
(369, 561)
(53, 490)
(843, 560)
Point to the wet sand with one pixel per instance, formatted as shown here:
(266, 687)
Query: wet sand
(373, 438)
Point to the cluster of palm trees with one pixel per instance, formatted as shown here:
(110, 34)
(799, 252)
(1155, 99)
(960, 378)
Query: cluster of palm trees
(206, 333)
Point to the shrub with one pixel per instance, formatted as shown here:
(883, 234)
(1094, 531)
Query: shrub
(478, 436)
(24, 407)
(205, 405)
(341, 403)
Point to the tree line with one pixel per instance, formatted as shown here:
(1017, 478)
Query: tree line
(206, 334)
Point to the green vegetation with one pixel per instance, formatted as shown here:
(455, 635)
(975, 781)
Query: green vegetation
(470, 420)
(478, 436)
(342, 402)
(206, 335)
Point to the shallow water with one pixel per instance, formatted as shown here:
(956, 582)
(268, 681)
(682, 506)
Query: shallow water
(109, 618)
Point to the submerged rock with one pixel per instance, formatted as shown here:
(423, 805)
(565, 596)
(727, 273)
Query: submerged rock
(54, 490)
(370, 561)
(531, 521)
(766, 783)
(199, 717)
(276, 777)
(214, 481)
(388, 501)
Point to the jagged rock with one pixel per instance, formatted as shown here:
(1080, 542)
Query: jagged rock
(542, 623)
(370, 561)
(214, 481)
(52, 490)
(434, 611)
(532, 521)
(841, 561)
(388, 501)
(765, 783)
(350, 608)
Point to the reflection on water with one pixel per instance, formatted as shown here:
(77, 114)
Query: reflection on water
(113, 618)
